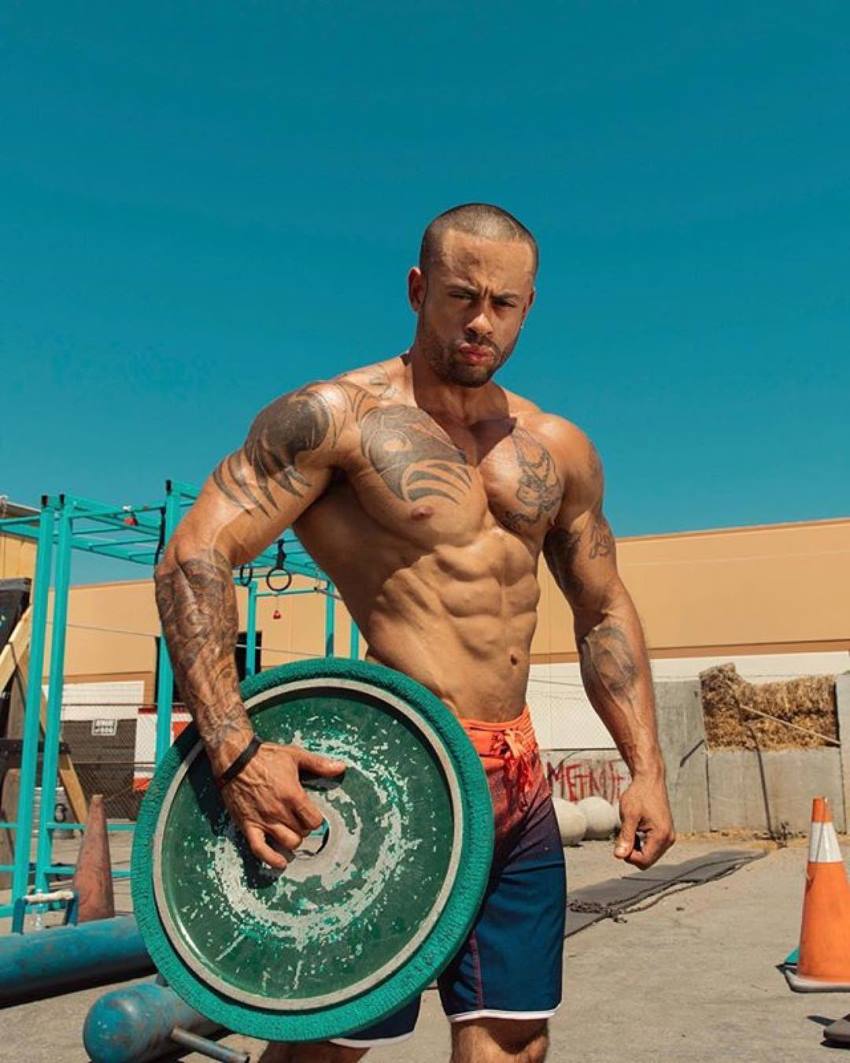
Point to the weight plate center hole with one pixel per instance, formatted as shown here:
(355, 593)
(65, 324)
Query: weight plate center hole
(315, 842)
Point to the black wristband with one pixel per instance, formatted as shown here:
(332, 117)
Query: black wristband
(244, 758)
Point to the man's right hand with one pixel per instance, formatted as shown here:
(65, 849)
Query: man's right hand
(267, 800)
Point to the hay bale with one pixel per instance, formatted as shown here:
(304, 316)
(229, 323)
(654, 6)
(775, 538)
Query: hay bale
(807, 702)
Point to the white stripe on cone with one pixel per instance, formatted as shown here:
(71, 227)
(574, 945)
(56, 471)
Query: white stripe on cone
(823, 844)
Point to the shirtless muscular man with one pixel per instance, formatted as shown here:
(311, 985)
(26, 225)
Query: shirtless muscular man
(427, 492)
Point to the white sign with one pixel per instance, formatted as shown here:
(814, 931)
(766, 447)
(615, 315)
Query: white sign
(104, 728)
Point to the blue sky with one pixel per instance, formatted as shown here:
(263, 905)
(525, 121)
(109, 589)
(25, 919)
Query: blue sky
(207, 204)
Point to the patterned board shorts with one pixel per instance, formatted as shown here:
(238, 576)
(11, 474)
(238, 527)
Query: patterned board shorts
(510, 964)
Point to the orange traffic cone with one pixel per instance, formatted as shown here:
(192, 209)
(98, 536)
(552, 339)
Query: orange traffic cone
(824, 959)
(93, 874)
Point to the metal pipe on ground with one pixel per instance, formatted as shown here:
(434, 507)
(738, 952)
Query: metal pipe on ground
(63, 959)
(135, 1024)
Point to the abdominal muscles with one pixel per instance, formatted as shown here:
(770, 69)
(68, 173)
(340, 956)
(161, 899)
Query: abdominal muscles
(458, 618)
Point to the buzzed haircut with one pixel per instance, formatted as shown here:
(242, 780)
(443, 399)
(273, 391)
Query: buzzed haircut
(477, 219)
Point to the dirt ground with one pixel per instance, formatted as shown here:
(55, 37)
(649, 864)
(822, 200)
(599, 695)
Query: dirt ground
(692, 978)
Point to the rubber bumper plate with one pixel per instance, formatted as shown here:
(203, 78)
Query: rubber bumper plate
(370, 908)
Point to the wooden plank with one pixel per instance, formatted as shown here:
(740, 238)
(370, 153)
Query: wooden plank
(67, 771)
(14, 662)
(71, 782)
(68, 775)
(13, 652)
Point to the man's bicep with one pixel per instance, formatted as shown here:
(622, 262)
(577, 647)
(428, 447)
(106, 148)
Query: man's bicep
(241, 515)
(263, 487)
(580, 548)
(581, 556)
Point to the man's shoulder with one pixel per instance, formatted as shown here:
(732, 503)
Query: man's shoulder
(551, 428)
(378, 379)
(346, 391)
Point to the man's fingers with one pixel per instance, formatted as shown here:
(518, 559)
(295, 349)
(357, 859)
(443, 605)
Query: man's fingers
(307, 813)
(285, 836)
(317, 764)
(626, 838)
(654, 846)
(640, 858)
(256, 840)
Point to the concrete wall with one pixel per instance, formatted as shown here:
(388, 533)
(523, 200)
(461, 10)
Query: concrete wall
(743, 795)
(578, 773)
(575, 774)
(721, 789)
(681, 732)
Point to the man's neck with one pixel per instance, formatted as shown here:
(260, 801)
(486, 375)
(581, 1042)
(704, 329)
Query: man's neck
(446, 400)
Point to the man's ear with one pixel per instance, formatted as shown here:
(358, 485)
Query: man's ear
(529, 305)
(416, 288)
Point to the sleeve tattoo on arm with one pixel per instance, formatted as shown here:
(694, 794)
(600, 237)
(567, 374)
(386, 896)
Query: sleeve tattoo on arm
(197, 606)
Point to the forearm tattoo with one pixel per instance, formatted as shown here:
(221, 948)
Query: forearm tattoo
(197, 607)
(608, 666)
(292, 425)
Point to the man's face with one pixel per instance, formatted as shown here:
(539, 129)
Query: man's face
(471, 305)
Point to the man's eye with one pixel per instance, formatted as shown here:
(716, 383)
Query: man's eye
(461, 295)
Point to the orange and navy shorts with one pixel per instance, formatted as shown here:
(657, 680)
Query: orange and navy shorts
(510, 965)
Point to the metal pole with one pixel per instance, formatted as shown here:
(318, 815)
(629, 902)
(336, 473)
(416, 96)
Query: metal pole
(251, 630)
(50, 757)
(330, 616)
(32, 715)
(354, 641)
(165, 673)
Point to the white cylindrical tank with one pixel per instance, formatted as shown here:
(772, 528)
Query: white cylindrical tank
(601, 817)
(571, 821)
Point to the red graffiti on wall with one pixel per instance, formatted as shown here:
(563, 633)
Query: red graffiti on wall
(577, 779)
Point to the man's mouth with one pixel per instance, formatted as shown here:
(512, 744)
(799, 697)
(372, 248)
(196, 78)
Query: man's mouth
(475, 354)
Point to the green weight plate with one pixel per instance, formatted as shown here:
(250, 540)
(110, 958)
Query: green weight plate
(369, 909)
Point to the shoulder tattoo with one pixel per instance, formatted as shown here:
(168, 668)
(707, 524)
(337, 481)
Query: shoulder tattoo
(294, 424)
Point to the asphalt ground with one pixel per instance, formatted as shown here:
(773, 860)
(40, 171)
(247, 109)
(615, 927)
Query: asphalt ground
(691, 978)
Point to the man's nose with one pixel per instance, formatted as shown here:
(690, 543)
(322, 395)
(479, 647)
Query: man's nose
(479, 327)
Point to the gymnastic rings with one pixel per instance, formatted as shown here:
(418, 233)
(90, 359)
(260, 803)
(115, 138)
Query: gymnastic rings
(246, 575)
(279, 567)
(287, 577)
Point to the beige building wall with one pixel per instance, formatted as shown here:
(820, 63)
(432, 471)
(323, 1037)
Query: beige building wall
(17, 557)
(778, 589)
(112, 629)
(770, 589)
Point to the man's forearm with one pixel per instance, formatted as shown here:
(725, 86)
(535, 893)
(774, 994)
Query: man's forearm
(197, 606)
(616, 675)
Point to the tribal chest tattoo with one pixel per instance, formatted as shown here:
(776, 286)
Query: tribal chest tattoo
(412, 455)
(416, 460)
